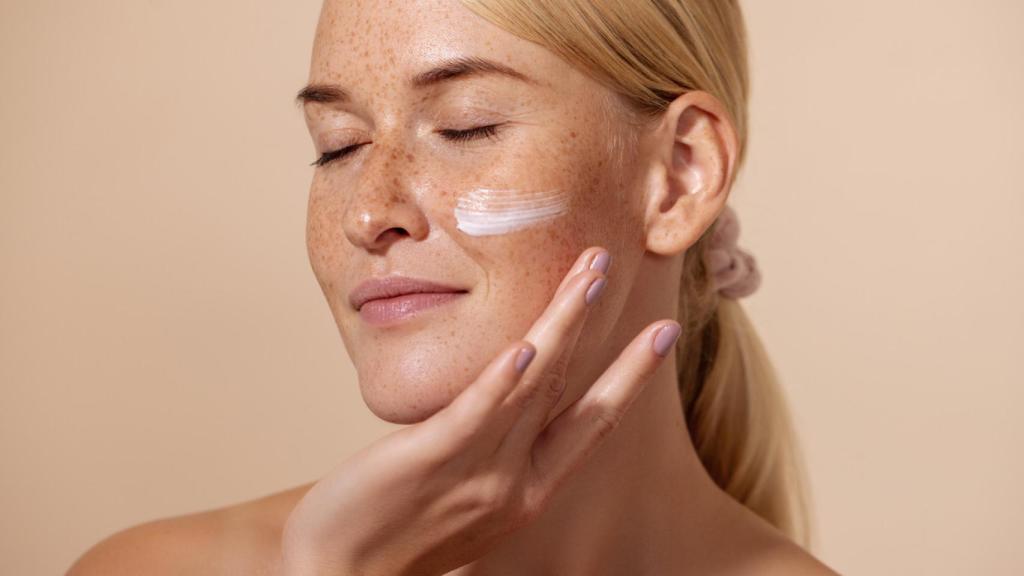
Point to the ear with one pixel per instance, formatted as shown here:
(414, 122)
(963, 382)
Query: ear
(692, 158)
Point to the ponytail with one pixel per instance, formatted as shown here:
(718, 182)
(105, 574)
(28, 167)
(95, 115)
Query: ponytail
(734, 406)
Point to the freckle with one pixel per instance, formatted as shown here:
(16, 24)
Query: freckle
(410, 157)
(572, 134)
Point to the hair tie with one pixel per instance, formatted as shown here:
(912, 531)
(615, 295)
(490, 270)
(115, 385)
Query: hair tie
(733, 271)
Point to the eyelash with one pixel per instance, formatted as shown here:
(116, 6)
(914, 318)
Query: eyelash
(489, 131)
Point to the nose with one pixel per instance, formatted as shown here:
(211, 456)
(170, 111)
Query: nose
(383, 208)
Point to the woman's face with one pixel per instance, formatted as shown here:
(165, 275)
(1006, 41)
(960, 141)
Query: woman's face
(501, 216)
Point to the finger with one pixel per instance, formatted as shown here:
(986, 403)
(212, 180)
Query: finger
(593, 258)
(554, 335)
(576, 433)
(473, 408)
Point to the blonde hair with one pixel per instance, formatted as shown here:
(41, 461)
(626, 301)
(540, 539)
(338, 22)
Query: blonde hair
(648, 52)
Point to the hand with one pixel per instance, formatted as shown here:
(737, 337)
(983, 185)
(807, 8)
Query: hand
(439, 494)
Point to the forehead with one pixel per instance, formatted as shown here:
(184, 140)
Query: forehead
(390, 41)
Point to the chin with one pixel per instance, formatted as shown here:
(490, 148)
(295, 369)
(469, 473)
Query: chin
(407, 373)
(394, 407)
(413, 388)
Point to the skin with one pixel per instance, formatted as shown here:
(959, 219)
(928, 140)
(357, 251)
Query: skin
(409, 178)
(640, 502)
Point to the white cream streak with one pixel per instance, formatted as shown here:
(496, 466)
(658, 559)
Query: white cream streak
(488, 211)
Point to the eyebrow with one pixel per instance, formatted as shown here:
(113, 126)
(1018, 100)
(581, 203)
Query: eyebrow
(451, 69)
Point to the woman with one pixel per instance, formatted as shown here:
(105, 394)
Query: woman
(512, 204)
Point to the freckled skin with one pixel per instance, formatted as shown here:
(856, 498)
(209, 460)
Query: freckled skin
(388, 207)
(643, 503)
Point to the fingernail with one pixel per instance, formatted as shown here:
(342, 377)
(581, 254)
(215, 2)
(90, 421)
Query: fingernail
(602, 262)
(666, 338)
(525, 357)
(596, 287)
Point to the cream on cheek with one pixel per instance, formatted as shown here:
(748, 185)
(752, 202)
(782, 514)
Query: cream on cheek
(490, 211)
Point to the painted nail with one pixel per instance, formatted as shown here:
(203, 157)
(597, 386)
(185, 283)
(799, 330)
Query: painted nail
(666, 338)
(602, 262)
(596, 287)
(525, 357)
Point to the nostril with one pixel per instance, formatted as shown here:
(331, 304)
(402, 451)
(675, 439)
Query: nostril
(392, 231)
(398, 231)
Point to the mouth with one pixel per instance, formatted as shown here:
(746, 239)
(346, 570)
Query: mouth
(391, 299)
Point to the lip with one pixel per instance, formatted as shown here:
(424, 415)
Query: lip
(393, 297)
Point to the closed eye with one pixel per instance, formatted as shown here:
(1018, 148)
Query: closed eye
(327, 157)
(489, 131)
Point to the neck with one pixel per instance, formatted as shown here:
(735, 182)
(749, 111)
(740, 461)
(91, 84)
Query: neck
(642, 502)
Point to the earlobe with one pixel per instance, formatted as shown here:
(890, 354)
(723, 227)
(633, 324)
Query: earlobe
(690, 172)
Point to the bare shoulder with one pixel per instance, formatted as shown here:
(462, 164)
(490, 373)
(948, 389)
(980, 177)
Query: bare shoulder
(155, 547)
(237, 539)
(791, 560)
(747, 544)
(775, 554)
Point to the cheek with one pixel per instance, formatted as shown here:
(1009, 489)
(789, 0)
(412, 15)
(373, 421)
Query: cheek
(494, 211)
(323, 217)
(527, 218)
(524, 268)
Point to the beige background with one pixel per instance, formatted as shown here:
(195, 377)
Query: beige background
(164, 347)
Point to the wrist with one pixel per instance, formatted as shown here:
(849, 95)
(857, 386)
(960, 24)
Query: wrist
(292, 566)
(292, 562)
(302, 560)
(303, 555)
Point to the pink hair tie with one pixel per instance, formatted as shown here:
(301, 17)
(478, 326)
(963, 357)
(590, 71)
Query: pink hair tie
(733, 271)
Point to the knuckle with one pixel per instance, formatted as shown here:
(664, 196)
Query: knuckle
(560, 366)
(552, 383)
(543, 387)
(606, 419)
(526, 396)
(532, 505)
(553, 379)
(495, 494)
(506, 501)
(547, 385)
